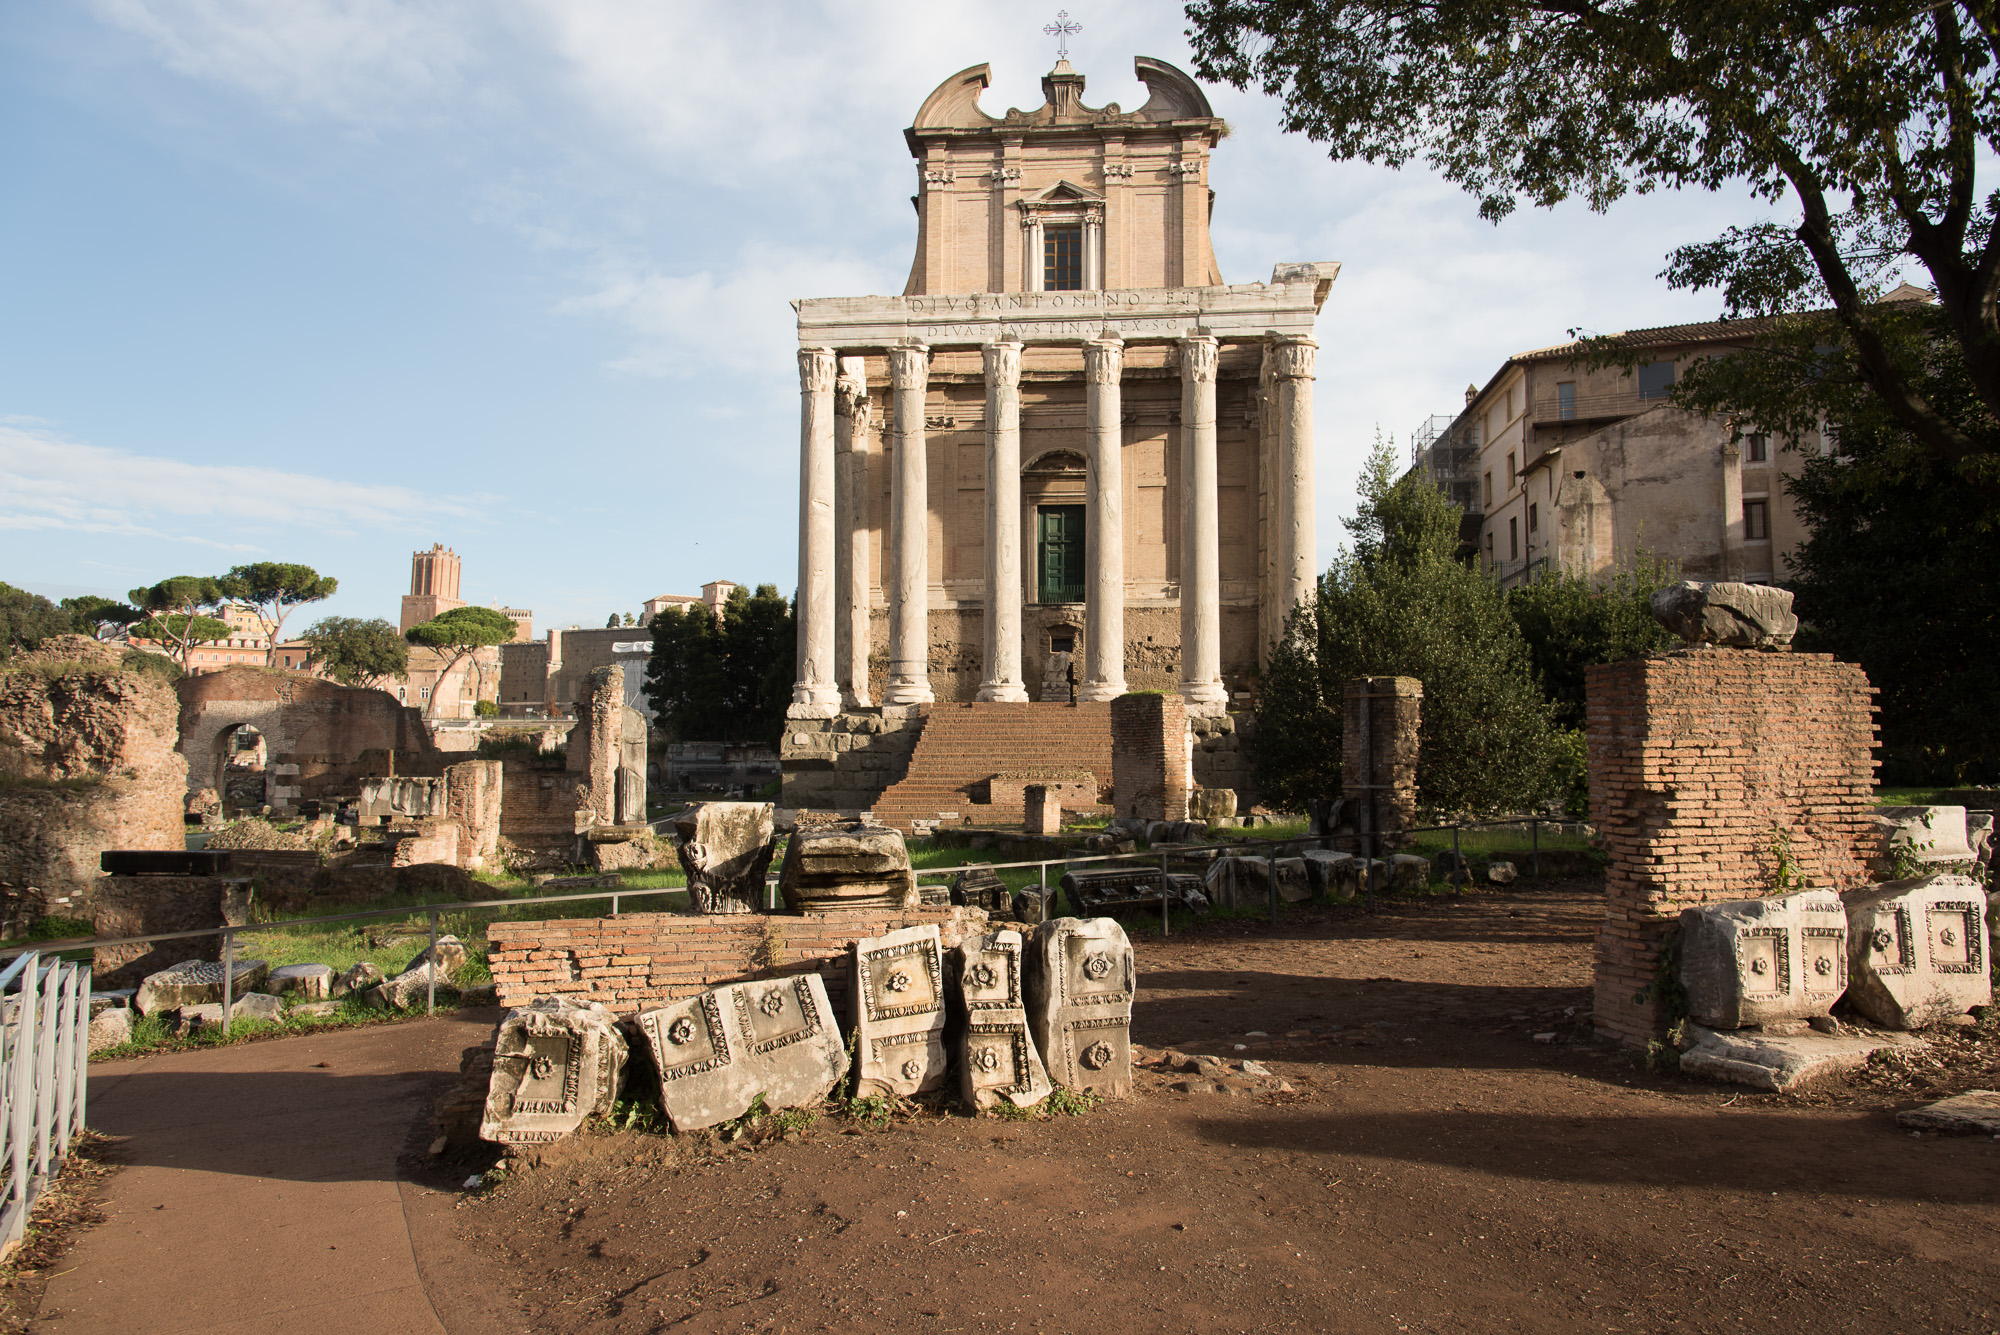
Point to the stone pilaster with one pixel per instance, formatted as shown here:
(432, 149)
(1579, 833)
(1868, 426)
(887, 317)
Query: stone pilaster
(1267, 496)
(1292, 374)
(1104, 522)
(909, 513)
(1002, 677)
(813, 693)
(1201, 577)
(850, 520)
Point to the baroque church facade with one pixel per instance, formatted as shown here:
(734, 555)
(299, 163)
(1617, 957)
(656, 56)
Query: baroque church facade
(1068, 461)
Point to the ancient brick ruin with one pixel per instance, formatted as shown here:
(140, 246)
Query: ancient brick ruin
(1719, 774)
(1380, 717)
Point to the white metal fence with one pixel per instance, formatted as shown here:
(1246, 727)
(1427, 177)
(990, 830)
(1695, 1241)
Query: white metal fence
(44, 1066)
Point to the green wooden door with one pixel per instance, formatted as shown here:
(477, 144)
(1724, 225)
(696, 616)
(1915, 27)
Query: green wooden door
(1059, 544)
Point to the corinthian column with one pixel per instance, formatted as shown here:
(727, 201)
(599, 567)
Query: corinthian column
(813, 692)
(1002, 678)
(1104, 522)
(909, 533)
(851, 632)
(1292, 374)
(1201, 577)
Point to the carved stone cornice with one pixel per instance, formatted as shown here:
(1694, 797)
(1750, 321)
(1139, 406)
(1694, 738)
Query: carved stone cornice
(1003, 363)
(816, 370)
(1103, 360)
(910, 367)
(1199, 357)
(1292, 358)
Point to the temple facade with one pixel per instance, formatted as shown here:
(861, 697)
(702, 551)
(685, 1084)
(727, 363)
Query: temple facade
(1068, 461)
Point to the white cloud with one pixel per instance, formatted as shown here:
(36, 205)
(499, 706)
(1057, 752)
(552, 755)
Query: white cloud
(50, 483)
(356, 60)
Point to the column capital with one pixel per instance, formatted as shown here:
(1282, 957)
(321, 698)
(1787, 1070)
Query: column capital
(1002, 362)
(1199, 355)
(1291, 358)
(1104, 360)
(910, 366)
(816, 370)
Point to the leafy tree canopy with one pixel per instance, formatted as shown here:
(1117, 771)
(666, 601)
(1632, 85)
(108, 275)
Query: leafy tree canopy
(175, 611)
(726, 680)
(99, 618)
(26, 619)
(1399, 603)
(1572, 622)
(1871, 119)
(462, 630)
(274, 588)
(356, 652)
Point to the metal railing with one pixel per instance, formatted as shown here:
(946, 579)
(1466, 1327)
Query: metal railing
(44, 1068)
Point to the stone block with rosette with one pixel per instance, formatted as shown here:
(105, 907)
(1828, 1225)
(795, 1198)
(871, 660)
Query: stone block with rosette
(1917, 950)
(899, 1012)
(1080, 985)
(555, 1064)
(1757, 961)
(995, 1053)
(716, 1052)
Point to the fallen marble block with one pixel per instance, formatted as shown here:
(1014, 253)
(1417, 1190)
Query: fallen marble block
(1409, 872)
(1745, 616)
(995, 1054)
(1451, 868)
(1080, 986)
(725, 848)
(111, 1028)
(1757, 961)
(1332, 875)
(412, 987)
(1245, 883)
(1976, 1112)
(1777, 1063)
(899, 1011)
(555, 1063)
(1176, 831)
(1922, 838)
(980, 887)
(1501, 872)
(1130, 889)
(865, 867)
(361, 978)
(716, 1052)
(312, 982)
(195, 983)
(1917, 950)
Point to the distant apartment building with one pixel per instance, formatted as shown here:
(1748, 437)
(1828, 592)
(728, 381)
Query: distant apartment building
(540, 679)
(713, 594)
(1558, 465)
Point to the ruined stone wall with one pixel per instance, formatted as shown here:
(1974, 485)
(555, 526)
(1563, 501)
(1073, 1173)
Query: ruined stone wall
(322, 739)
(87, 763)
(641, 960)
(539, 801)
(473, 801)
(1223, 755)
(1380, 717)
(607, 749)
(1150, 761)
(846, 763)
(1699, 760)
(142, 905)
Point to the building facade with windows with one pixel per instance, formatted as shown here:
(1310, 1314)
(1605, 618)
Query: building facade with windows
(1067, 448)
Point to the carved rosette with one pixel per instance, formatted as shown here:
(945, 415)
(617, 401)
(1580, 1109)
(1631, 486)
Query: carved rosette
(1292, 358)
(1103, 360)
(1199, 357)
(1002, 362)
(816, 370)
(909, 367)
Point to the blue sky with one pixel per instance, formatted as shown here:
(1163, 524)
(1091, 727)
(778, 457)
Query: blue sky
(332, 280)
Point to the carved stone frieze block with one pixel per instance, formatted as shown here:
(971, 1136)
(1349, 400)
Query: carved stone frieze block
(1080, 985)
(1758, 961)
(555, 1063)
(899, 1012)
(718, 1051)
(995, 1053)
(1917, 950)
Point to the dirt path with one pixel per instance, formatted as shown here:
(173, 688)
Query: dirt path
(1438, 1170)
(260, 1187)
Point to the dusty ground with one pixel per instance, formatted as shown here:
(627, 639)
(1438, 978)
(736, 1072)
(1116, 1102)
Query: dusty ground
(1437, 1169)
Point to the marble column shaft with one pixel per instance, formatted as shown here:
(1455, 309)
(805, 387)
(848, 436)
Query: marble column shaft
(1001, 679)
(852, 632)
(1201, 577)
(813, 692)
(909, 531)
(1104, 522)
(1292, 372)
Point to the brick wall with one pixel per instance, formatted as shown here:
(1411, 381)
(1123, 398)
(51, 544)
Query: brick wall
(1378, 751)
(1150, 757)
(1696, 758)
(642, 960)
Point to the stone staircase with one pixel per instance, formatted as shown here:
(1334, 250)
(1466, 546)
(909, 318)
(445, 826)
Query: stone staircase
(964, 745)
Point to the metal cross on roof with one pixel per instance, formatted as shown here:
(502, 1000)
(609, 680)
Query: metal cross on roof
(1060, 30)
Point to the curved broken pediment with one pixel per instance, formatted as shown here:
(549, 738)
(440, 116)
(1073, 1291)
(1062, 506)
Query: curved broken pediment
(955, 102)
(1174, 95)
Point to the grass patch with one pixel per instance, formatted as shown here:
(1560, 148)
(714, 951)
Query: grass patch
(149, 1032)
(1907, 797)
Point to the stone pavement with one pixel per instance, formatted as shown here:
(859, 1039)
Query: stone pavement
(259, 1188)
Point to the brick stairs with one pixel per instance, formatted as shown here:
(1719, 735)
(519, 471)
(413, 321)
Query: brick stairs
(963, 745)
